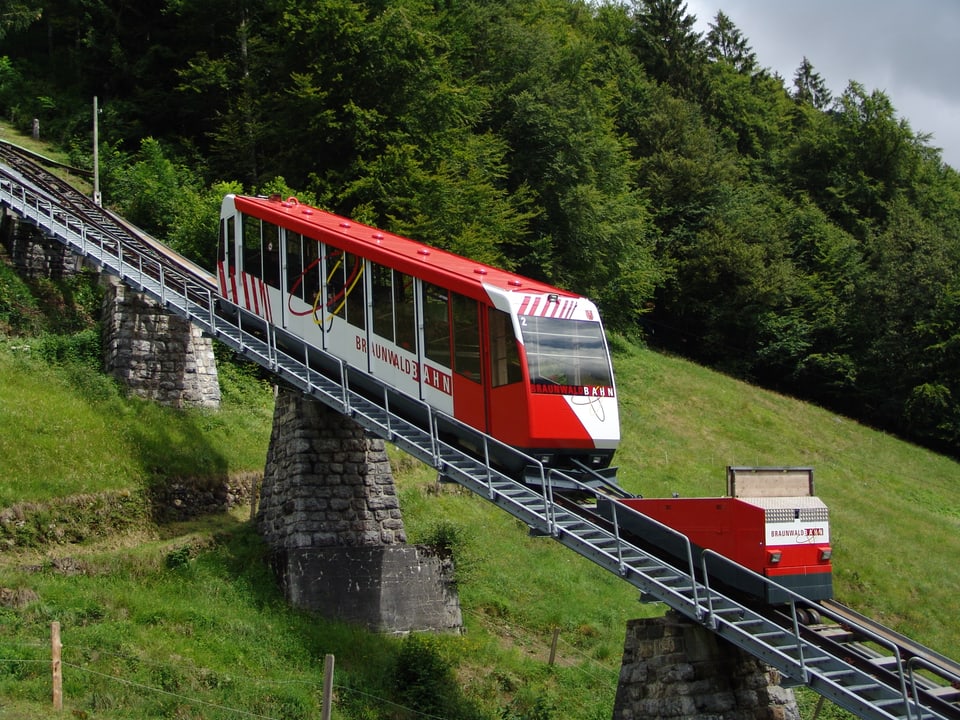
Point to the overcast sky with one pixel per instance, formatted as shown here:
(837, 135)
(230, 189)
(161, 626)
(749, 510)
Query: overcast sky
(909, 50)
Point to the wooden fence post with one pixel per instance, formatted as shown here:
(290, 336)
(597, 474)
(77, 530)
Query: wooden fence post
(55, 648)
(327, 687)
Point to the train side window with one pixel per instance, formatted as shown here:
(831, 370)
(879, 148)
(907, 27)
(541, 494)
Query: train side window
(436, 324)
(466, 336)
(382, 282)
(310, 286)
(356, 303)
(504, 356)
(225, 224)
(345, 291)
(403, 310)
(294, 262)
(271, 254)
(252, 257)
(393, 313)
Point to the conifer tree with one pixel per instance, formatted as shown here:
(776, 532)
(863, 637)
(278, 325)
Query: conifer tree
(809, 86)
(667, 44)
(726, 43)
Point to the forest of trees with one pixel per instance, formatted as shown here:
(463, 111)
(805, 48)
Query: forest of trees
(752, 222)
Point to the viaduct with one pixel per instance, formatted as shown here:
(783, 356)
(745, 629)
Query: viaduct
(329, 511)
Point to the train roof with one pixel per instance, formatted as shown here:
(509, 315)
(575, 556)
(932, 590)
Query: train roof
(440, 267)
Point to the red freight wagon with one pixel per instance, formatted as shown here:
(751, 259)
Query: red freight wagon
(771, 523)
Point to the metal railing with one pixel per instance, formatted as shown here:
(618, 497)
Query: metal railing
(328, 378)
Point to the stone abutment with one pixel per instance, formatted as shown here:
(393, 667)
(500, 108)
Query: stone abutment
(155, 354)
(675, 669)
(330, 512)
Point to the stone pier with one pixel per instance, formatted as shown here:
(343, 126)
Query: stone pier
(329, 511)
(33, 254)
(674, 668)
(154, 354)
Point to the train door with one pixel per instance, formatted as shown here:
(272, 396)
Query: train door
(507, 408)
(343, 311)
(436, 341)
(469, 403)
(226, 265)
(302, 312)
(252, 268)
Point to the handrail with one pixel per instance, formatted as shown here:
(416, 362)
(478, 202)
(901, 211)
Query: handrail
(274, 345)
(618, 507)
(794, 597)
(917, 661)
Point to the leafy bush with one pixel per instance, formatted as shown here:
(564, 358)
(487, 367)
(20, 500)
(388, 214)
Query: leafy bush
(81, 348)
(446, 537)
(425, 681)
(18, 308)
(179, 558)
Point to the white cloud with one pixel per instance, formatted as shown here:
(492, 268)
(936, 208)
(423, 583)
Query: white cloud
(907, 50)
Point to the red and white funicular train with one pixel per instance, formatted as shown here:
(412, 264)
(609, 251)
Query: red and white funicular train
(517, 359)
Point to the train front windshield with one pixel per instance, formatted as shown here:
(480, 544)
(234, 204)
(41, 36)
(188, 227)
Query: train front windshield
(566, 356)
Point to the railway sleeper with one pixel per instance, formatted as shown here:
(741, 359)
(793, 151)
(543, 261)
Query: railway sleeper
(945, 692)
(885, 662)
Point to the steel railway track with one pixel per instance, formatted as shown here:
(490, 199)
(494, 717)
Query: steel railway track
(937, 676)
(859, 664)
(115, 230)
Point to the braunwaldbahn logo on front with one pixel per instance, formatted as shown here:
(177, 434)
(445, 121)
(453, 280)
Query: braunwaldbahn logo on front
(592, 391)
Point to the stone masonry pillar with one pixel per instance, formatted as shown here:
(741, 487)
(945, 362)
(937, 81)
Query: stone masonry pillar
(155, 354)
(329, 511)
(32, 253)
(674, 668)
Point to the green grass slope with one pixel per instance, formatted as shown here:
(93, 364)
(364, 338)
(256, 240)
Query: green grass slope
(184, 620)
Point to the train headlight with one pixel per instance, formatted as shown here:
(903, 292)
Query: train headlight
(596, 459)
(774, 556)
(826, 553)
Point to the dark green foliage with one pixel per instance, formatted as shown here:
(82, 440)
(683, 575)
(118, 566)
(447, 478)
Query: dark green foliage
(446, 537)
(669, 48)
(179, 558)
(425, 682)
(810, 87)
(540, 708)
(748, 220)
(725, 43)
(19, 312)
(33, 307)
(82, 348)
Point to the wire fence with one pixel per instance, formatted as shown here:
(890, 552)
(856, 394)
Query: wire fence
(33, 659)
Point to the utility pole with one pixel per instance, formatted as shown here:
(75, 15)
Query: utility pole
(96, 154)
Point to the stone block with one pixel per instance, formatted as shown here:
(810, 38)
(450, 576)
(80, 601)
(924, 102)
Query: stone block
(392, 589)
(673, 668)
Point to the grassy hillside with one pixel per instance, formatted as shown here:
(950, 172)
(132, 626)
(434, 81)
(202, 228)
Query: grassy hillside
(184, 620)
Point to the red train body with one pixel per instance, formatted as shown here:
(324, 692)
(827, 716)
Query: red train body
(511, 357)
(771, 523)
(517, 359)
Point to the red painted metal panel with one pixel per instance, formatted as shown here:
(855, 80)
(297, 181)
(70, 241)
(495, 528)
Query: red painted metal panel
(736, 529)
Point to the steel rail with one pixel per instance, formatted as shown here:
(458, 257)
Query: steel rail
(183, 291)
